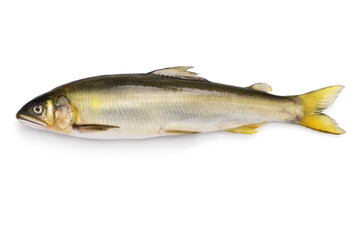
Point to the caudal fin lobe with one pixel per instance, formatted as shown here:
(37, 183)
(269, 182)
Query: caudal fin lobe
(314, 103)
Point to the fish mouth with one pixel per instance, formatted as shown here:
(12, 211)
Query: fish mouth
(32, 122)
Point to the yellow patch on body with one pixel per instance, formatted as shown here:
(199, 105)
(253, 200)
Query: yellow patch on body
(95, 104)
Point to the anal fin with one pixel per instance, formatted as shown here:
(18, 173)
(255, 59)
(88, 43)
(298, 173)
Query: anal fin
(246, 129)
(86, 128)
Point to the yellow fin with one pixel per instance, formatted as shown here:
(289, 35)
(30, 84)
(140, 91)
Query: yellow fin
(246, 129)
(316, 101)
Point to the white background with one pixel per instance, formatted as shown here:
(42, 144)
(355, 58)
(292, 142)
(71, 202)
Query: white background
(285, 182)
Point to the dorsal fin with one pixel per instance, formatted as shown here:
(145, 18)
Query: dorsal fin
(179, 72)
(262, 87)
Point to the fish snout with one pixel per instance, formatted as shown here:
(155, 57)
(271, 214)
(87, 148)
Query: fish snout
(18, 115)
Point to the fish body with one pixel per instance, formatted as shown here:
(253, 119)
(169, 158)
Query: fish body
(170, 101)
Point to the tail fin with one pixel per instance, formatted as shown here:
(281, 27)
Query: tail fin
(314, 103)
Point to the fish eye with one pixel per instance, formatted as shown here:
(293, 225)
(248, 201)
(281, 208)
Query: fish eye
(38, 109)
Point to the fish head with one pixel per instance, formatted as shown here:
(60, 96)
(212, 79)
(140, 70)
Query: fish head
(48, 112)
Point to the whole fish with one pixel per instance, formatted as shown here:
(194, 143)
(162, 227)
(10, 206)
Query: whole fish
(170, 101)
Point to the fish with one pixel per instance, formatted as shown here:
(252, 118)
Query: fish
(171, 101)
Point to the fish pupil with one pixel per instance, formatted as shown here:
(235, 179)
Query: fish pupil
(37, 109)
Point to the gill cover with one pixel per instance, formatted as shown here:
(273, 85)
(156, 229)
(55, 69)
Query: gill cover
(64, 113)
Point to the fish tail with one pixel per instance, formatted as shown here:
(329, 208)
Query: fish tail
(314, 103)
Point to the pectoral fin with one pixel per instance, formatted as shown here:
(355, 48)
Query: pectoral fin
(85, 128)
(246, 129)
